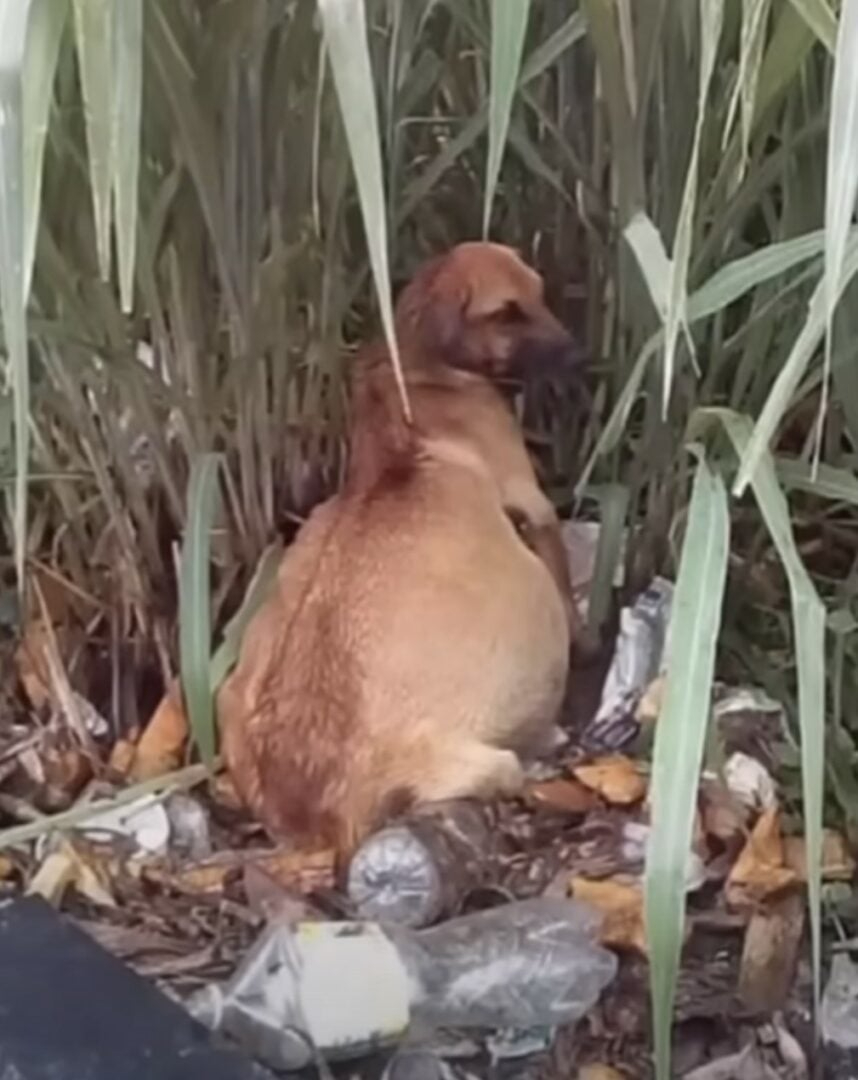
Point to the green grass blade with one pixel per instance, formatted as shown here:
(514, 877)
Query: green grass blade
(820, 19)
(645, 241)
(195, 634)
(826, 481)
(344, 23)
(549, 51)
(793, 369)
(94, 35)
(676, 315)
(509, 23)
(680, 738)
(263, 579)
(726, 285)
(127, 109)
(44, 35)
(755, 14)
(808, 615)
(13, 35)
(841, 171)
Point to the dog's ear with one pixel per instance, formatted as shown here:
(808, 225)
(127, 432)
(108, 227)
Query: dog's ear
(432, 307)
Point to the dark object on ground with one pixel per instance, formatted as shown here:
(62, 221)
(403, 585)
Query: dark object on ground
(71, 1011)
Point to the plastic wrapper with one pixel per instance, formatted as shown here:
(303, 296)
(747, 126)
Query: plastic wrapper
(415, 872)
(638, 659)
(341, 990)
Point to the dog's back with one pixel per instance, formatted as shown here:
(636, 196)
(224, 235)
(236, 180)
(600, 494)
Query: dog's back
(413, 642)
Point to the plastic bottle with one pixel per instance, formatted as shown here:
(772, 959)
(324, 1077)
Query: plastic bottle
(418, 871)
(348, 988)
(533, 963)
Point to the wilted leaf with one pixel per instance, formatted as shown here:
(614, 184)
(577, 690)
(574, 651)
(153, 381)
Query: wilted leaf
(838, 863)
(564, 795)
(770, 952)
(621, 904)
(303, 872)
(162, 744)
(615, 777)
(122, 756)
(649, 706)
(67, 866)
(722, 815)
(760, 872)
(599, 1072)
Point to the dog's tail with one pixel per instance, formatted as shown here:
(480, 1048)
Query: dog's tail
(383, 442)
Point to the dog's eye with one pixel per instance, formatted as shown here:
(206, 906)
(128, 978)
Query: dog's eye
(511, 312)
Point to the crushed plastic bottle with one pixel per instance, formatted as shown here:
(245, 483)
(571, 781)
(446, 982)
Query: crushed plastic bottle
(418, 871)
(344, 989)
(533, 963)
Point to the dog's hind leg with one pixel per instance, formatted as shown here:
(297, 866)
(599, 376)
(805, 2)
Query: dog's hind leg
(462, 770)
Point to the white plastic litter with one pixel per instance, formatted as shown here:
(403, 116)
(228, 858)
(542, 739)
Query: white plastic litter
(344, 989)
(145, 822)
(750, 782)
(638, 659)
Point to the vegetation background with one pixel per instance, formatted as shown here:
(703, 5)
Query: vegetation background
(184, 254)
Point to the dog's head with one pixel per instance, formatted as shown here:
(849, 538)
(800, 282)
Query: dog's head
(481, 308)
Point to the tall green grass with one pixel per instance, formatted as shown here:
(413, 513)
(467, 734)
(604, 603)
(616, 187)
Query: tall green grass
(236, 184)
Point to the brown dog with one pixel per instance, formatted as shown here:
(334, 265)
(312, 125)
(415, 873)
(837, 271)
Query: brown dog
(414, 645)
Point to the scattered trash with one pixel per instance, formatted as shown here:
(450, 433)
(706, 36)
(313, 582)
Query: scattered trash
(529, 964)
(750, 782)
(511, 1045)
(638, 659)
(338, 989)
(635, 837)
(190, 836)
(839, 1018)
(144, 822)
(417, 1064)
(348, 988)
(418, 871)
(772, 1054)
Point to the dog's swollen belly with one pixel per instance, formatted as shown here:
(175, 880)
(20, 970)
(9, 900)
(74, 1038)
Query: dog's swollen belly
(410, 654)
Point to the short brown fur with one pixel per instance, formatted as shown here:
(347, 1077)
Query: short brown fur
(418, 637)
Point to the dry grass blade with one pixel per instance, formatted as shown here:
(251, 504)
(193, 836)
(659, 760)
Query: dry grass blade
(680, 738)
(509, 23)
(13, 298)
(344, 24)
